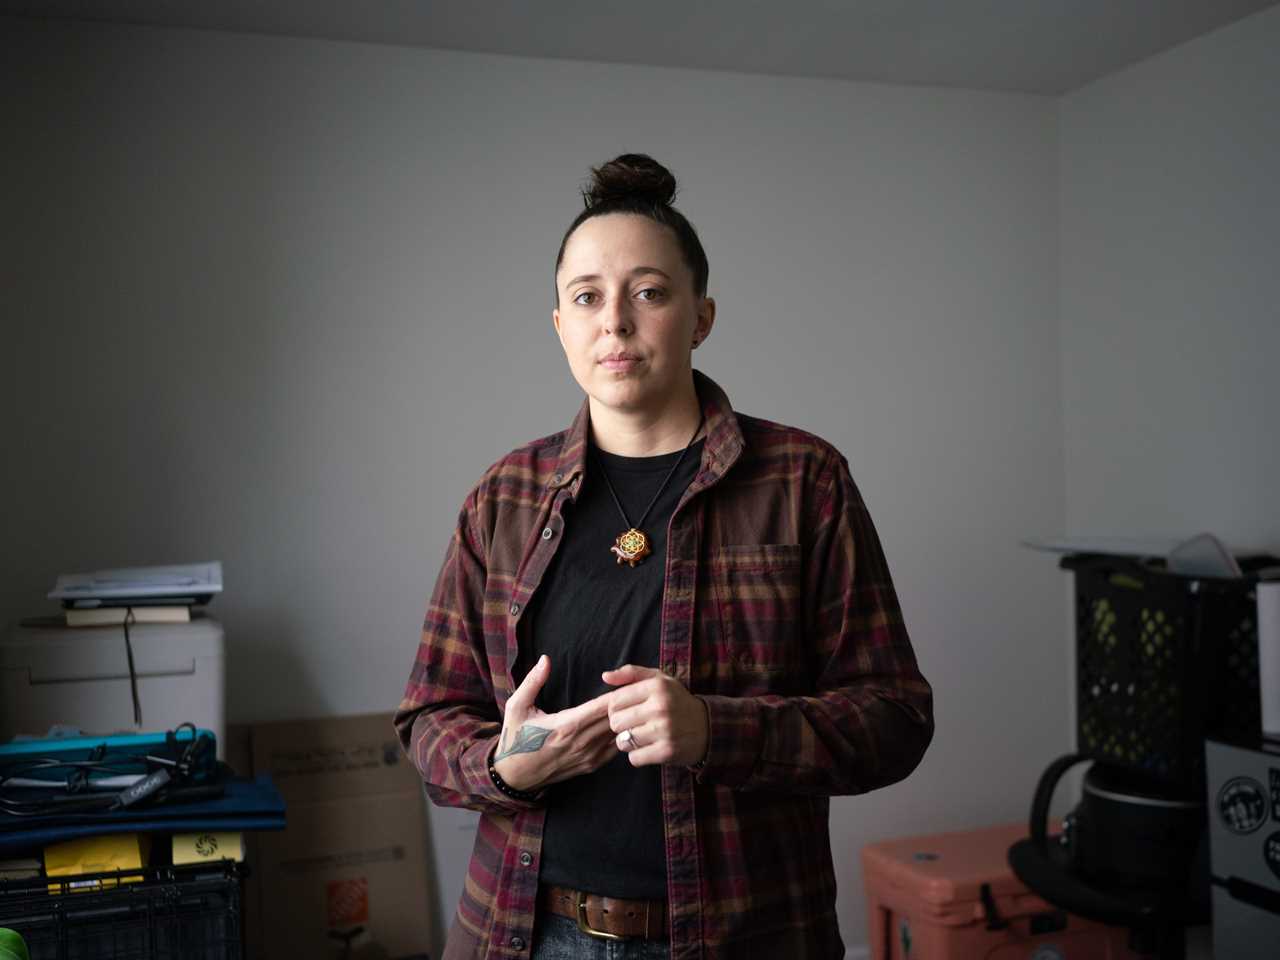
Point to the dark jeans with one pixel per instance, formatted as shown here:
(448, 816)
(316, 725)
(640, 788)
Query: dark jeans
(558, 938)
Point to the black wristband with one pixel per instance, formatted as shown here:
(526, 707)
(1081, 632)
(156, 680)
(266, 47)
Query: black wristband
(505, 788)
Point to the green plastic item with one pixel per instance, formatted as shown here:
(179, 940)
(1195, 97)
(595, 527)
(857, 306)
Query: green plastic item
(12, 946)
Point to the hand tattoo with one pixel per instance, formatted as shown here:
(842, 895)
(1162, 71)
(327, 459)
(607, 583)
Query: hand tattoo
(528, 739)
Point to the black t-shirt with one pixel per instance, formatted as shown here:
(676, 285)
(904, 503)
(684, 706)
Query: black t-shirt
(604, 831)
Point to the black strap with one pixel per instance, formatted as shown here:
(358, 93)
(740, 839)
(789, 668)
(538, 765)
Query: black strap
(1044, 794)
(1246, 891)
(990, 910)
(133, 674)
(670, 473)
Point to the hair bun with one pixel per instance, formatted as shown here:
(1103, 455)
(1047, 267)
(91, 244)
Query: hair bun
(632, 176)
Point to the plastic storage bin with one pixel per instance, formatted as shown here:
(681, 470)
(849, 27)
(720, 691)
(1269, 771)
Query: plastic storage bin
(172, 913)
(1163, 661)
(952, 896)
(56, 674)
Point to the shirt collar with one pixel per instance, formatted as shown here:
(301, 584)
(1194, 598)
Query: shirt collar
(724, 440)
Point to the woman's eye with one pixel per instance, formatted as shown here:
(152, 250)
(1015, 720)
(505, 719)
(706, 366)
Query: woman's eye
(650, 294)
(579, 298)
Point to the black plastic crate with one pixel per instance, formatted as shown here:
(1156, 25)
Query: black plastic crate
(169, 913)
(1163, 660)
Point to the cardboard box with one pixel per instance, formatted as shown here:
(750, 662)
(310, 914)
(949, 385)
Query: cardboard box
(349, 876)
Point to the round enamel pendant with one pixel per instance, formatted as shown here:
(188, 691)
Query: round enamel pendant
(631, 547)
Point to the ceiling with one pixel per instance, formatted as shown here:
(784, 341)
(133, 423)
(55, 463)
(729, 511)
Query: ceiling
(1029, 46)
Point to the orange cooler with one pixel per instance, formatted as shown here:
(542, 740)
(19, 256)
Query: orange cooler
(952, 896)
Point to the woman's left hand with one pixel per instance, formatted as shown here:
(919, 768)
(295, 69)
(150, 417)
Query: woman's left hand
(667, 723)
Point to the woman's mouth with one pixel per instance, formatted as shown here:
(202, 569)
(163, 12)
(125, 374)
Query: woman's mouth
(622, 362)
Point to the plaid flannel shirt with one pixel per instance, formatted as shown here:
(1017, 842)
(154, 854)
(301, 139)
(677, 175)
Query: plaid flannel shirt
(778, 611)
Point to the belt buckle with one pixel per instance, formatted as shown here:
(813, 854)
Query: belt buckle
(586, 928)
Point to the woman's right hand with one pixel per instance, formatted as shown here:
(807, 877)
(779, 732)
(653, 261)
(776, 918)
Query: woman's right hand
(537, 748)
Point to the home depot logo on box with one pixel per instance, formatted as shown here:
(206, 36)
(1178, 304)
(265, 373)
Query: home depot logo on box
(348, 902)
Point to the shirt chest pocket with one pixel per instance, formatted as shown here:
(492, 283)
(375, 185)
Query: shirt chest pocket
(757, 595)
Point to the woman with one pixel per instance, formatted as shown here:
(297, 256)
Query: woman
(660, 640)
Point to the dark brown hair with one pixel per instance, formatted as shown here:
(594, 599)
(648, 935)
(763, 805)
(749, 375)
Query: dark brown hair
(637, 183)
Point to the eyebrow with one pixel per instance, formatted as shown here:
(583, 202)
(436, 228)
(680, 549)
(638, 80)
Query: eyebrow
(634, 273)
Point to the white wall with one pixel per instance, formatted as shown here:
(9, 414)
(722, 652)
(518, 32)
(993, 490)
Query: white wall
(1170, 219)
(1170, 207)
(278, 302)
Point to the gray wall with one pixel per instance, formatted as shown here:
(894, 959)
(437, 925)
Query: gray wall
(1170, 219)
(279, 303)
(1171, 292)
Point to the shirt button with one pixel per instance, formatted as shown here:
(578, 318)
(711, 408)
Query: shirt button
(526, 858)
(547, 533)
(515, 609)
(557, 478)
(517, 943)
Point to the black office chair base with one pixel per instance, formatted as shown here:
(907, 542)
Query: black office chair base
(1156, 919)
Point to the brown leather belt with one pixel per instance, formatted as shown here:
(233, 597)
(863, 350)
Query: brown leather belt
(608, 918)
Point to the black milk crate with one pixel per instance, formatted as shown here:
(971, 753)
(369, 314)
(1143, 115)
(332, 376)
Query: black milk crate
(1163, 660)
(166, 913)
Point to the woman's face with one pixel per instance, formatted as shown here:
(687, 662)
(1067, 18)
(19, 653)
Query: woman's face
(628, 314)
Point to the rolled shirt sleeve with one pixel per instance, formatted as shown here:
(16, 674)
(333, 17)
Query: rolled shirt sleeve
(448, 721)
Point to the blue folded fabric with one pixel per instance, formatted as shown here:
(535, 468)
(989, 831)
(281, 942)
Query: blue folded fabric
(19, 841)
(245, 805)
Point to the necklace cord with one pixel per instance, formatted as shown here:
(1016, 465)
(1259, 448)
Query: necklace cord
(666, 480)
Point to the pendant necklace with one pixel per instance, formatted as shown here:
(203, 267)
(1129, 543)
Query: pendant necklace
(632, 546)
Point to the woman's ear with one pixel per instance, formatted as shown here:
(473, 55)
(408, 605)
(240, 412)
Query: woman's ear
(706, 320)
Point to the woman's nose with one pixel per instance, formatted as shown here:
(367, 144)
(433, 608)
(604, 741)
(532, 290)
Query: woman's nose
(616, 317)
